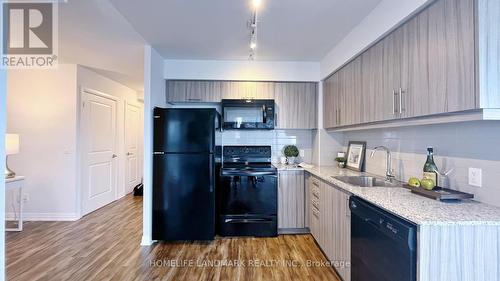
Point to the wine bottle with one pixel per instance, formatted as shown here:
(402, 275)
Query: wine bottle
(430, 168)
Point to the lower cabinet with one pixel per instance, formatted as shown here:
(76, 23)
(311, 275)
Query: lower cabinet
(341, 233)
(291, 200)
(330, 223)
(314, 185)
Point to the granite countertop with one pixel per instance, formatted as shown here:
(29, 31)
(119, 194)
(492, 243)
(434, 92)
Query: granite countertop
(415, 208)
(284, 167)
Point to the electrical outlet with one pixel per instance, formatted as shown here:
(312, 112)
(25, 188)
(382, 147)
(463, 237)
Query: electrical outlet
(475, 177)
(26, 197)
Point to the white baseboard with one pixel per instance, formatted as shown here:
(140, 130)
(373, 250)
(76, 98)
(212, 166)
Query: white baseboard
(45, 216)
(146, 241)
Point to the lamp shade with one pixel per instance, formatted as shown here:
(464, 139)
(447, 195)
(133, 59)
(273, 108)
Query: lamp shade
(11, 144)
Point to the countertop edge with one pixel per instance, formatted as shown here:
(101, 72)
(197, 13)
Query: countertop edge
(345, 187)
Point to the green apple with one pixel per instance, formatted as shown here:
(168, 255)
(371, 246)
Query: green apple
(427, 184)
(414, 182)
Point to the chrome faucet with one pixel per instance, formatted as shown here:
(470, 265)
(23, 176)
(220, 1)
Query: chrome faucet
(389, 176)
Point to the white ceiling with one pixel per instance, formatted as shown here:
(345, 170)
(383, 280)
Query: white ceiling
(94, 34)
(289, 30)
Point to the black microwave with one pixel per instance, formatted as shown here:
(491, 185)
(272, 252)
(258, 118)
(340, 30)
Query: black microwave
(247, 114)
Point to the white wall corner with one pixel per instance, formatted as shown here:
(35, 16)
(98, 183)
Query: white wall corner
(154, 95)
(146, 241)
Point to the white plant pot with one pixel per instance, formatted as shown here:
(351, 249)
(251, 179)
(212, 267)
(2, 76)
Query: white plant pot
(291, 160)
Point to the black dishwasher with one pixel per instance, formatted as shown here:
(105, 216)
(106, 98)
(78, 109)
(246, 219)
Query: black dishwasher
(383, 246)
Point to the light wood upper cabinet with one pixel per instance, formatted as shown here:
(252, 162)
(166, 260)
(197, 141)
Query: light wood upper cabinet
(330, 101)
(438, 73)
(193, 91)
(343, 96)
(296, 102)
(350, 95)
(265, 90)
(371, 84)
(247, 90)
(424, 67)
(296, 105)
(291, 199)
(232, 90)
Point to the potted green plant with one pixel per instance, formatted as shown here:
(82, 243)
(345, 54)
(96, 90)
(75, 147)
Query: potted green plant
(290, 151)
(341, 161)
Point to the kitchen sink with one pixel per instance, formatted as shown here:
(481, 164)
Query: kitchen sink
(367, 181)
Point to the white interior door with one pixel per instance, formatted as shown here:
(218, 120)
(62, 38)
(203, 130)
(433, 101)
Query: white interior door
(133, 136)
(98, 147)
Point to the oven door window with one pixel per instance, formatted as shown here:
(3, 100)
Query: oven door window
(239, 116)
(248, 195)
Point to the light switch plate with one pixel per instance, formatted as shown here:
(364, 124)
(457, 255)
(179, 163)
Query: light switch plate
(475, 177)
(301, 152)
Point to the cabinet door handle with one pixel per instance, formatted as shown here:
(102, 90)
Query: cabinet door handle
(347, 211)
(190, 99)
(394, 95)
(401, 110)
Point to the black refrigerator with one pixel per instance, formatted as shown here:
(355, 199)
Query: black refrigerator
(183, 174)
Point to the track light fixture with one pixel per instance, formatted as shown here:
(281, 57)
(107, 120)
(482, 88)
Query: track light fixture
(252, 25)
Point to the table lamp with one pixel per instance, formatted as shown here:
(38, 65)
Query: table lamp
(11, 147)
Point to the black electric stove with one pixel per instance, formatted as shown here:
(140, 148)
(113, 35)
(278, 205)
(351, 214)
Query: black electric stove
(247, 192)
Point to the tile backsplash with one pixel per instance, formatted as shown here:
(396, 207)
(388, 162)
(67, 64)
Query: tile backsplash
(277, 139)
(457, 146)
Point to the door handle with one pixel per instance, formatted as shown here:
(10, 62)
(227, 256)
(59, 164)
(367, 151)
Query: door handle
(394, 95)
(264, 114)
(248, 220)
(401, 101)
(211, 176)
(347, 211)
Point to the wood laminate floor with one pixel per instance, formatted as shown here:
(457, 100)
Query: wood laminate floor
(104, 245)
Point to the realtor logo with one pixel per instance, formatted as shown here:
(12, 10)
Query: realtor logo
(28, 35)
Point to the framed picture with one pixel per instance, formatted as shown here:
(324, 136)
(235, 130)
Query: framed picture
(356, 155)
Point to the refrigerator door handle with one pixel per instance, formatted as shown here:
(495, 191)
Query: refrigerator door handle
(211, 171)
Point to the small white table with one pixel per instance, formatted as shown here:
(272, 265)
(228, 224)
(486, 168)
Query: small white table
(16, 183)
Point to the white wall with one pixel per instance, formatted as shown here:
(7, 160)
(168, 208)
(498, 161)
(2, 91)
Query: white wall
(41, 108)
(154, 95)
(241, 70)
(379, 22)
(45, 114)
